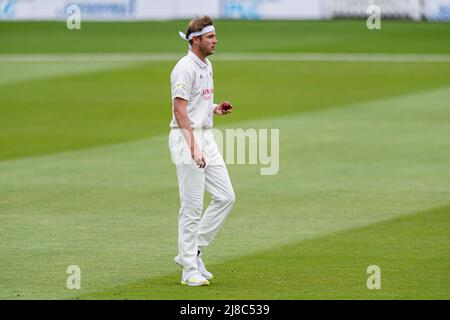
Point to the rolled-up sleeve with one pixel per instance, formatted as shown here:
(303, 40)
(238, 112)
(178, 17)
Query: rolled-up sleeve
(181, 84)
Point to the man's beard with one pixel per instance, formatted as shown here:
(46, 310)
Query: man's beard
(207, 52)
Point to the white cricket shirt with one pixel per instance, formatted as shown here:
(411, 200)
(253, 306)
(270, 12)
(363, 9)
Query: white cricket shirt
(192, 80)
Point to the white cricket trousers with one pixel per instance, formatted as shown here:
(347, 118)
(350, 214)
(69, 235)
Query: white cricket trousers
(196, 231)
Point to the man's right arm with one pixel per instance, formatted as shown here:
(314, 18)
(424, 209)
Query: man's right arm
(182, 118)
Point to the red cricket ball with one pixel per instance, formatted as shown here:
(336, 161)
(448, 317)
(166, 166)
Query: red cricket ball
(226, 106)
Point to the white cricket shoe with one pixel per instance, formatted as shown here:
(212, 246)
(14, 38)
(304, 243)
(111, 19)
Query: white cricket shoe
(201, 267)
(193, 278)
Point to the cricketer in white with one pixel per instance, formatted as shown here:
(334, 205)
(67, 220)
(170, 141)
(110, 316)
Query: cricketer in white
(199, 164)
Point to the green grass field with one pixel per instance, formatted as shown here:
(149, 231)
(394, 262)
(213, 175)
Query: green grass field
(86, 177)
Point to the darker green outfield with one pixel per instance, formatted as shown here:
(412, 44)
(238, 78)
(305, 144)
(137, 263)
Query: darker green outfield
(234, 36)
(44, 116)
(413, 253)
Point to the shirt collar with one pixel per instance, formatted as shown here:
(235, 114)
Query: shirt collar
(197, 60)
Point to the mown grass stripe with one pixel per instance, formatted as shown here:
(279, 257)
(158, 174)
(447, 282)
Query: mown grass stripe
(413, 253)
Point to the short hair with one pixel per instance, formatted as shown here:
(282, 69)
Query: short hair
(197, 24)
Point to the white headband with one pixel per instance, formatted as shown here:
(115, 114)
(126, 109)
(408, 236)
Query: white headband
(196, 34)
